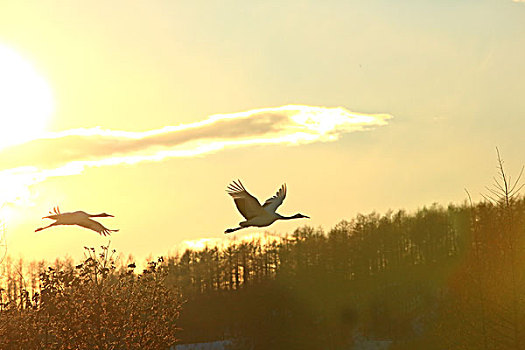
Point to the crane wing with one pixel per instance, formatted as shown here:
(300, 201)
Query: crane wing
(247, 204)
(95, 226)
(274, 202)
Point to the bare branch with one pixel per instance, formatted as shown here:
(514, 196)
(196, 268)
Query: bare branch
(517, 180)
(469, 197)
(497, 184)
(494, 192)
(519, 189)
(489, 198)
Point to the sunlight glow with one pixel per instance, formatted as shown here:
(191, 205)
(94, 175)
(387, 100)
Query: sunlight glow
(5, 215)
(286, 125)
(265, 238)
(26, 101)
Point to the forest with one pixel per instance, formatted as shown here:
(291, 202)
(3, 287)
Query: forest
(438, 278)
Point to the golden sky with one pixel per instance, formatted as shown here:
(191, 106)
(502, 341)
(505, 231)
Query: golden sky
(148, 110)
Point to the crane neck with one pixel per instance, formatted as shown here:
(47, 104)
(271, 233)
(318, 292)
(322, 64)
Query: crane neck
(296, 216)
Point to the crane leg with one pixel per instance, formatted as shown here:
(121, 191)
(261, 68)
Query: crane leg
(233, 229)
(43, 228)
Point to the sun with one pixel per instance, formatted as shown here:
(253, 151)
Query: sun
(26, 101)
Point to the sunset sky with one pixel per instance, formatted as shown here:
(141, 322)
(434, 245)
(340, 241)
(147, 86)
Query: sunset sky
(147, 110)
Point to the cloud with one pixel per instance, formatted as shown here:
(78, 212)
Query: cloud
(519, 1)
(70, 152)
(288, 125)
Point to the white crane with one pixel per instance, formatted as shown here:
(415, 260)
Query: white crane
(78, 218)
(255, 213)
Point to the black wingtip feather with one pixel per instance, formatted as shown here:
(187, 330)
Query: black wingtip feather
(235, 187)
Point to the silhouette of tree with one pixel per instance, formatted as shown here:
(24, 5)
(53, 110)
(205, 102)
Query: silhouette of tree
(439, 277)
(93, 306)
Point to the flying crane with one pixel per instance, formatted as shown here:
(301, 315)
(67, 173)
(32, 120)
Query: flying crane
(79, 218)
(255, 213)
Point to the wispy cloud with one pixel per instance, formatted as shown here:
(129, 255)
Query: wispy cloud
(70, 152)
(519, 1)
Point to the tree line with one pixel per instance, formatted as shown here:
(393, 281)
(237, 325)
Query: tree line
(441, 277)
